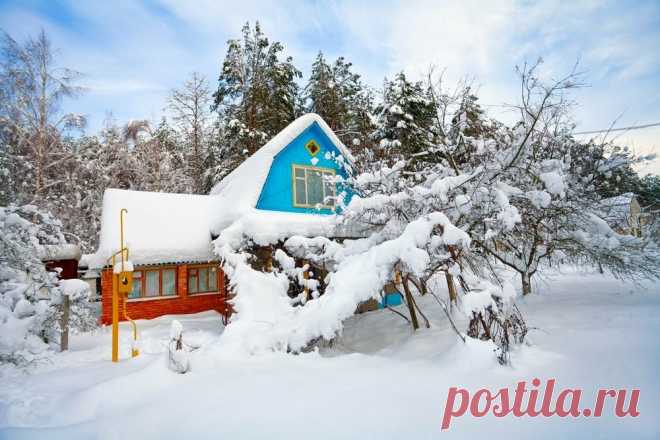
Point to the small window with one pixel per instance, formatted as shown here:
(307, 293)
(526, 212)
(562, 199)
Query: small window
(213, 279)
(137, 285)
(192, 280)
(301, 191)
(169, 282)
(152, 283)
(203, 279)
(313, 186)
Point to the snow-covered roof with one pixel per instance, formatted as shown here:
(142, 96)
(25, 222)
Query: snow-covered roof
(239, 191)
(59, 252)
(158, 227)
(623, 200)
(617, 206)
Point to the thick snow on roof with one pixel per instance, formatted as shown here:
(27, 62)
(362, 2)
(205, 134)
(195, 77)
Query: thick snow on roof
(621, 200)
(158, 228)
(59, 252)
(239, 191)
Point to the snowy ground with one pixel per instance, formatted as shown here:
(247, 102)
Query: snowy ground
(378, 381)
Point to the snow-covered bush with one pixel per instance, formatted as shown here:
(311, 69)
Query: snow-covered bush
(177, 354)
(29, 295)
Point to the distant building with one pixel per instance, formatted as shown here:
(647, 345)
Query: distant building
(624, 214)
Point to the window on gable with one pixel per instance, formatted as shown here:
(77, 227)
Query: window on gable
(313, 186)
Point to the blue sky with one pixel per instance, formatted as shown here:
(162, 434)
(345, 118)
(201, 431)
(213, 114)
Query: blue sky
(132, 53)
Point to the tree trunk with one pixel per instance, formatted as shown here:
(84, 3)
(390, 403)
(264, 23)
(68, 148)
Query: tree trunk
(411, 304)
(64, 338)
(526, 283)
(453, 297)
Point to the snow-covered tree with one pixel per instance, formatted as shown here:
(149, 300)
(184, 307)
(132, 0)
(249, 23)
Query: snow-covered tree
(405, 122)
(33, 87)
(160, 162)
(30, 297)
(190, 108)
(256, 96)
(338, 95)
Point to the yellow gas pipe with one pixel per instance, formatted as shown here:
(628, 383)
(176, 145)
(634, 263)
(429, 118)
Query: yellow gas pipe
(126, 285)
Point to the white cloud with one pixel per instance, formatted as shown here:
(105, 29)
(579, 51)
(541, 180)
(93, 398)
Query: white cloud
(132, 53)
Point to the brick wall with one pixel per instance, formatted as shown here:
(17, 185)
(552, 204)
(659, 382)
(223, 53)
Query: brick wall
(152, 308)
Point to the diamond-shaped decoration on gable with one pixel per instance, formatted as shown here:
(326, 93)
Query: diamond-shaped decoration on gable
(312, 147)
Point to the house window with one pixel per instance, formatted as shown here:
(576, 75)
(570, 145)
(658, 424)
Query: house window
(203, 279)
(313, 186)
(153, 283)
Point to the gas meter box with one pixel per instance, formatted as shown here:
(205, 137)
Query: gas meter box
(125, 282)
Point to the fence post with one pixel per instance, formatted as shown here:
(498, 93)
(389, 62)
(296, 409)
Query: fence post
(64, 341)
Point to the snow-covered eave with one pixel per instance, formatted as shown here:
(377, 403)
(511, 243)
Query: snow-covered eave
(59, 252)
(265, 227)
(97, 261)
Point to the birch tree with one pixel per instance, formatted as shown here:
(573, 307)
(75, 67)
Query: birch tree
(33, 89)
(190, 108)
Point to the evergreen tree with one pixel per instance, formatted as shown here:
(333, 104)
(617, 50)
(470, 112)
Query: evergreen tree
(406, 121)
(339, 97)
(256, 96)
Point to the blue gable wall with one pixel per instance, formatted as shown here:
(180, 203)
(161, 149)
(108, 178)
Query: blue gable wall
(277, 192)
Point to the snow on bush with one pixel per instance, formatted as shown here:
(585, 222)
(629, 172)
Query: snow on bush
(177, 355)
(30, 297)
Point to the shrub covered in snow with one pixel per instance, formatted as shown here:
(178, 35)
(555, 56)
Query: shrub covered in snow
(30, 297)
(177, 354)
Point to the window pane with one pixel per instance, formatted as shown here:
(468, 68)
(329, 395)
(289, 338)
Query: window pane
(329, 193)
(203, 279)
(192, 281)
(213, 279)
(169, 285)
(301, 197)
(152, 284)
(299, 172)
(137, 285)
(314, 187)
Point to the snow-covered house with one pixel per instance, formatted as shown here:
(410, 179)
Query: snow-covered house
(290, 186)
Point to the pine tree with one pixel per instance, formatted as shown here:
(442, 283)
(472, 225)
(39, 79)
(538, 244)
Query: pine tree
(256, 96)
(468, 123)
(339, 97)
(406, 124)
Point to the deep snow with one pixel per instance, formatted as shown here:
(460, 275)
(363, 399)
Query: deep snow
(377, 381)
